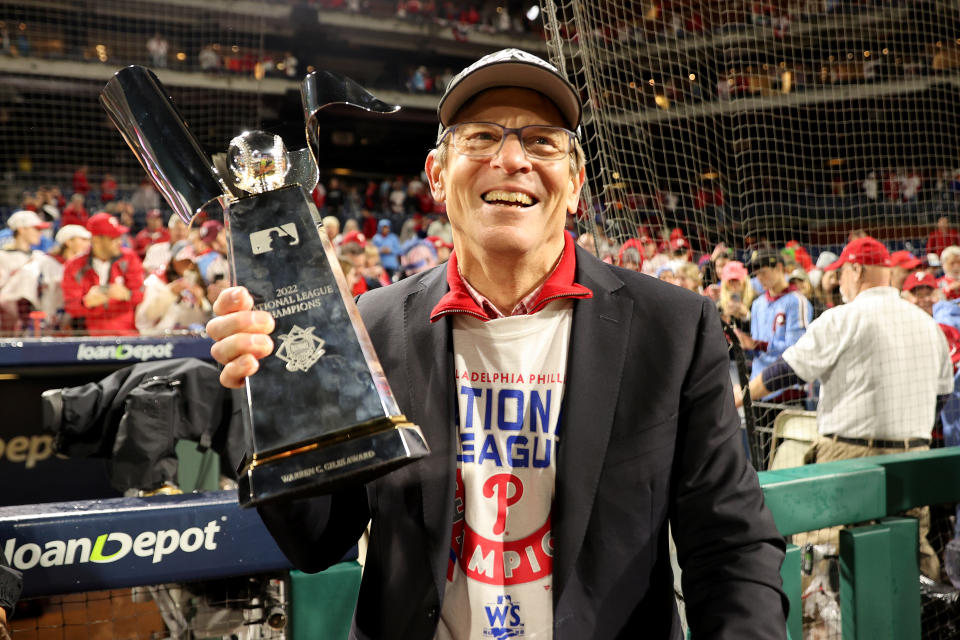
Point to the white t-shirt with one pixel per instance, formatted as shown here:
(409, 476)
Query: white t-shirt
(510, 378)
(102, 269)
(881, 362)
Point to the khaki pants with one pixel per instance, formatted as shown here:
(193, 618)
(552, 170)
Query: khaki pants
(826, 450)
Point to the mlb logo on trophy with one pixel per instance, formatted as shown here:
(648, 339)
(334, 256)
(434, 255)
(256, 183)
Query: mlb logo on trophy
(274, 237)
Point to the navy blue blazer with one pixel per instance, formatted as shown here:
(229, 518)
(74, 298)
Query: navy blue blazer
(650, 436)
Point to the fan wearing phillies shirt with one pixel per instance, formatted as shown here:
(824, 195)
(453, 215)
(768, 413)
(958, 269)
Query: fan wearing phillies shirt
(104, 286)
(559, 457)
(778, 318)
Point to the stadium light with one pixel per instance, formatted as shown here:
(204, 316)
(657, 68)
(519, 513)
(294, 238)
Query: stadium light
(533, 12)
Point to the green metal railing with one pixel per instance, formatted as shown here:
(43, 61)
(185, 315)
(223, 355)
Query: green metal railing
(879, 572)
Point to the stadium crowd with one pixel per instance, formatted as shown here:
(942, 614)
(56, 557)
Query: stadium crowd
(662, 19)
(107, 262)
(102, 263)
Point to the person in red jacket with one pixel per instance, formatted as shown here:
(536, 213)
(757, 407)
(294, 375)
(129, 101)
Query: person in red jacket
(75, 212)
(942, 237)
(105, 285)
(154, 232)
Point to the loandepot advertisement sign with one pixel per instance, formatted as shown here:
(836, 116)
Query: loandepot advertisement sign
(121, 352)
(121, 542)
(111, 547)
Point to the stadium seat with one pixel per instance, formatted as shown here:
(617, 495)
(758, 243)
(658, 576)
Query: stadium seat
(793, 433)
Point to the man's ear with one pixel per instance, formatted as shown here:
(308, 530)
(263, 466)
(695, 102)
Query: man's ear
(435, 176)
(576, 185)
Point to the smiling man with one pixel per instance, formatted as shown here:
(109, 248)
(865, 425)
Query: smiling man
(573, 409)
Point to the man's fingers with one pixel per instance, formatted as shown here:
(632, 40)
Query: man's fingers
(236, 372)
(239, 345)
(240, 322)
(233, 299)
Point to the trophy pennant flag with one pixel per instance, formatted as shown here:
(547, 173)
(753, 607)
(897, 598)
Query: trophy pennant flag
(320, 414)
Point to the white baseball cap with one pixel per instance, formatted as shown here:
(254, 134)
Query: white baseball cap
(23, 219)
(69, 232)
(511, 68)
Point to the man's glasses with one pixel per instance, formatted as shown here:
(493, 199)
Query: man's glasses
(485, 139)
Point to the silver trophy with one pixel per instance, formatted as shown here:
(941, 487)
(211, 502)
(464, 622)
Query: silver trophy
(320, 413)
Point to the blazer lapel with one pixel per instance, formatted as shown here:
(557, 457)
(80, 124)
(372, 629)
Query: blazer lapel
(428, 362)
(597, 354)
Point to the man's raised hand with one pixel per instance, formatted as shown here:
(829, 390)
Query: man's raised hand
(241, 336)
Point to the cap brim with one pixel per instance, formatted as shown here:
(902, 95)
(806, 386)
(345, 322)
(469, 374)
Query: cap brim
(43, 225)
(515, 73)
(836, 264)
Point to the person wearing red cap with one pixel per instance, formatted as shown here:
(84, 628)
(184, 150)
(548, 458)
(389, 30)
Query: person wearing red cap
(353, 249)
(653, 260)
(883, 365)
(630, 255)
(901, 263)
(564, 518)
(920, 288)
(104, 286)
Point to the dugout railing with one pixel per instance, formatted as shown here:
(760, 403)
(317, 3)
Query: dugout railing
(879, 572)
(879, 575)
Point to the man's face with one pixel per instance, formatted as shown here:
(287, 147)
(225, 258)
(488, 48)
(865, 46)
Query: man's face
(924, 297)
(849, 281)
(508, 230)
(770, 277)
(105, 247)
(31, 235)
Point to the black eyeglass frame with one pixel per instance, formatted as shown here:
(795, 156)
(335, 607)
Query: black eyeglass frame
(518, 131)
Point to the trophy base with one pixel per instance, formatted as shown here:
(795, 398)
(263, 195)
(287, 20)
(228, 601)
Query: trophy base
(323, 468)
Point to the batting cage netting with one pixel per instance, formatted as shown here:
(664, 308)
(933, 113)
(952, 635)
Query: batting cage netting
(737, 144)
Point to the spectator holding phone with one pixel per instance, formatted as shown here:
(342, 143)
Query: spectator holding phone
(736, 295)
(176, 299)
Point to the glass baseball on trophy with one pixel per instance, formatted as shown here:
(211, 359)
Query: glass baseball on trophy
(319, 413)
